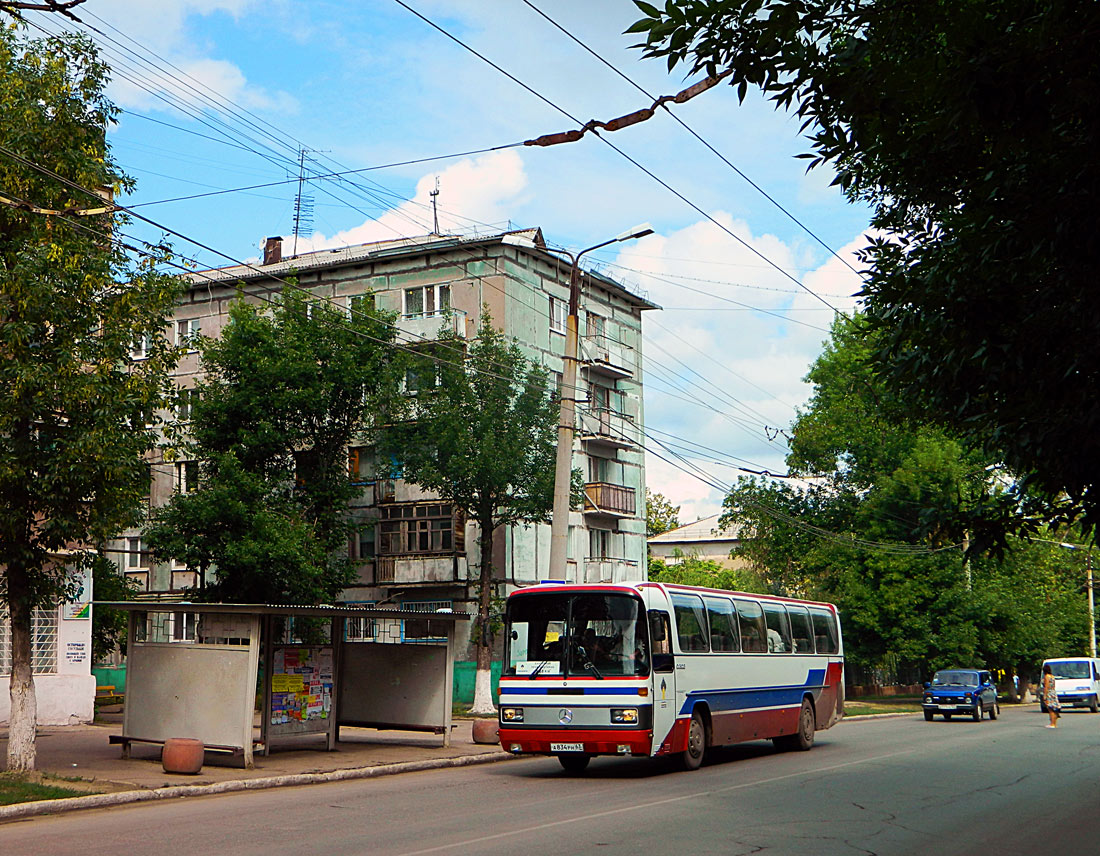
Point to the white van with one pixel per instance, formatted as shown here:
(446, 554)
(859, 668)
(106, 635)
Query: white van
(1077, 682)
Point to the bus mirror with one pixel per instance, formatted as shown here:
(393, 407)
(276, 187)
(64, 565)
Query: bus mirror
(656, 626)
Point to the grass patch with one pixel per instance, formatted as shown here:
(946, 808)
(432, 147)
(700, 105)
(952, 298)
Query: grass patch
(872, 706)
(19, 788)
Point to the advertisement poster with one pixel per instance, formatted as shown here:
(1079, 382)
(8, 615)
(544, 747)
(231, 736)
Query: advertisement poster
(301, 684)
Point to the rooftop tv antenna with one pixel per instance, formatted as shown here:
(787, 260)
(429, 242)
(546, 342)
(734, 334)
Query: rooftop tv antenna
(435, 212)
(303, 204)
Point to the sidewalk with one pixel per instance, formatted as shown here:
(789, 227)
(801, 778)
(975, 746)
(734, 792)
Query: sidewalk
(84, 751)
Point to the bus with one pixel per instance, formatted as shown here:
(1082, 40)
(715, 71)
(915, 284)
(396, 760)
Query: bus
(654, 669)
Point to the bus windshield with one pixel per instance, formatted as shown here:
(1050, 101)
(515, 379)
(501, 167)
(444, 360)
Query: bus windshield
(592, 635)
(1078, 669)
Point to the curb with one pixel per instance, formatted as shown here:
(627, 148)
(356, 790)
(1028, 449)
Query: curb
(41, 807)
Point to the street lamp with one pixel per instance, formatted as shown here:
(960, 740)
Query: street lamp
(1092, 605)
(563, 469)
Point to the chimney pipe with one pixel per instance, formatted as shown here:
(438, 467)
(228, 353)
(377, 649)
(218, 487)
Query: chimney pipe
(273, 251)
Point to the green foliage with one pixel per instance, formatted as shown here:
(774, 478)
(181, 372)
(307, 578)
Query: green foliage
(483, 437)
(109, 625)
(284, 393)
(660, 514)
(880, 531)
(695, 571)
(76, 418)
(969, 126)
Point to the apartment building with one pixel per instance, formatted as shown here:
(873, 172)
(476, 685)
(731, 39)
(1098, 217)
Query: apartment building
(413, 549)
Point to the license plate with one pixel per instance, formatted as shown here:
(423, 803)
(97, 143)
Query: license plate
(948, 706)
(566, 747)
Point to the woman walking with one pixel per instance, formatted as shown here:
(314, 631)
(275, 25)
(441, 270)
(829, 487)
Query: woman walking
(1050, 696)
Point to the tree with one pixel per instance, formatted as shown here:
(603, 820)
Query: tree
(77, 415)
(109, 625)
(880, 526)
(695, 571)
(660, 514)
(284, 393)
(969, 126)
(483, 436)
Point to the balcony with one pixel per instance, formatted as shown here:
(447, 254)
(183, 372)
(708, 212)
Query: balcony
(606, 356)
(609, 500)
(607, 570)
(426, 326)
(608, 427)
(413, 570)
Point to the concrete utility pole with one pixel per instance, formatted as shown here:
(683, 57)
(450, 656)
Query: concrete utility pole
(1089, 588)
(563, 469)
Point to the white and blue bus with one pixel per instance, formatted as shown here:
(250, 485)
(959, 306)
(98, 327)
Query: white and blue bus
(654, 669)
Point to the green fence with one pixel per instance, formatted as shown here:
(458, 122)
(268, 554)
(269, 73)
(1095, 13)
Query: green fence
(463, 691)
(464, 681)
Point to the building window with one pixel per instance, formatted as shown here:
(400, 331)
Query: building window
(423, 630)
(416, 528)
(427, 300)
(185, 404)
(360, 628)
(183, 627)
(596, 326)
(360, 470)
(360, 304)
(186, 333)
(361, 544)
(422, 377)
(558, 311)
(136, 557)
(142, 346)
(187, 476)
(43, 641)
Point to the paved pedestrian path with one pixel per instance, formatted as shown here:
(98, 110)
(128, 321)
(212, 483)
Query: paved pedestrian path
(84, 753)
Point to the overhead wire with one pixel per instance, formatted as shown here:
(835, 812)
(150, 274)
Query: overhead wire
(621, 153)
(691, 131)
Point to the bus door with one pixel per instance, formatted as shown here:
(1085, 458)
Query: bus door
(664, 678)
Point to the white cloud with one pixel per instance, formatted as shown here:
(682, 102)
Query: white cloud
(484, 189)
(726, 358)
(164, 32)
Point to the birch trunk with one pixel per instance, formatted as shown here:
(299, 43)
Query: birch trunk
(483, 679)
(23, 719)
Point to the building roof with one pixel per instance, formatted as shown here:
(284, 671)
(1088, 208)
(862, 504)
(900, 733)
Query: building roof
(706, 529)
(357, 254)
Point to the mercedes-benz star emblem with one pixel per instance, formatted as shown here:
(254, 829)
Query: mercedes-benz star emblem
(565, 716)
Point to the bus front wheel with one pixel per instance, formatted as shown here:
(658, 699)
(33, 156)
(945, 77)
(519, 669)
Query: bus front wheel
(575, 762)
(692, 757)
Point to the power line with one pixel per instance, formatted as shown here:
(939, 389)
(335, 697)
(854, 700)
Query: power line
(691, 131)
(621, 153)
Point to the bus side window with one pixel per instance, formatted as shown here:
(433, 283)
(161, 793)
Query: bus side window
(800, 629)
(824, 631)
(751, 621)
(779, 629)
(660, 639)
(691, 623)
(723, 625)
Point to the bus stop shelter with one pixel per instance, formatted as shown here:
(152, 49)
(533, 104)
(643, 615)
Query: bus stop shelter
(202, 670)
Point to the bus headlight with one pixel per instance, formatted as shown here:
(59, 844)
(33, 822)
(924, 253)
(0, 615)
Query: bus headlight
(624, 715)
(511, 714)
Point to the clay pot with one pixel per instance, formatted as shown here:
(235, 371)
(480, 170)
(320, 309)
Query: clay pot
(182, 755)
(485, 731)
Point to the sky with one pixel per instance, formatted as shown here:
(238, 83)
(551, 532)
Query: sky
(221, 96)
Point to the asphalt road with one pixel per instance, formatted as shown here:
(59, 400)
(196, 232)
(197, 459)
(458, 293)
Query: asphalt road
(884, 786)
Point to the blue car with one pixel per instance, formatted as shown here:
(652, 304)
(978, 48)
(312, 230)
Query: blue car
(966, 692)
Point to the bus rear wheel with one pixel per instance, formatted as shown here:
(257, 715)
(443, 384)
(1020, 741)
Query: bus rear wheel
(692, 757)
(803, 739)
(574, 762)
